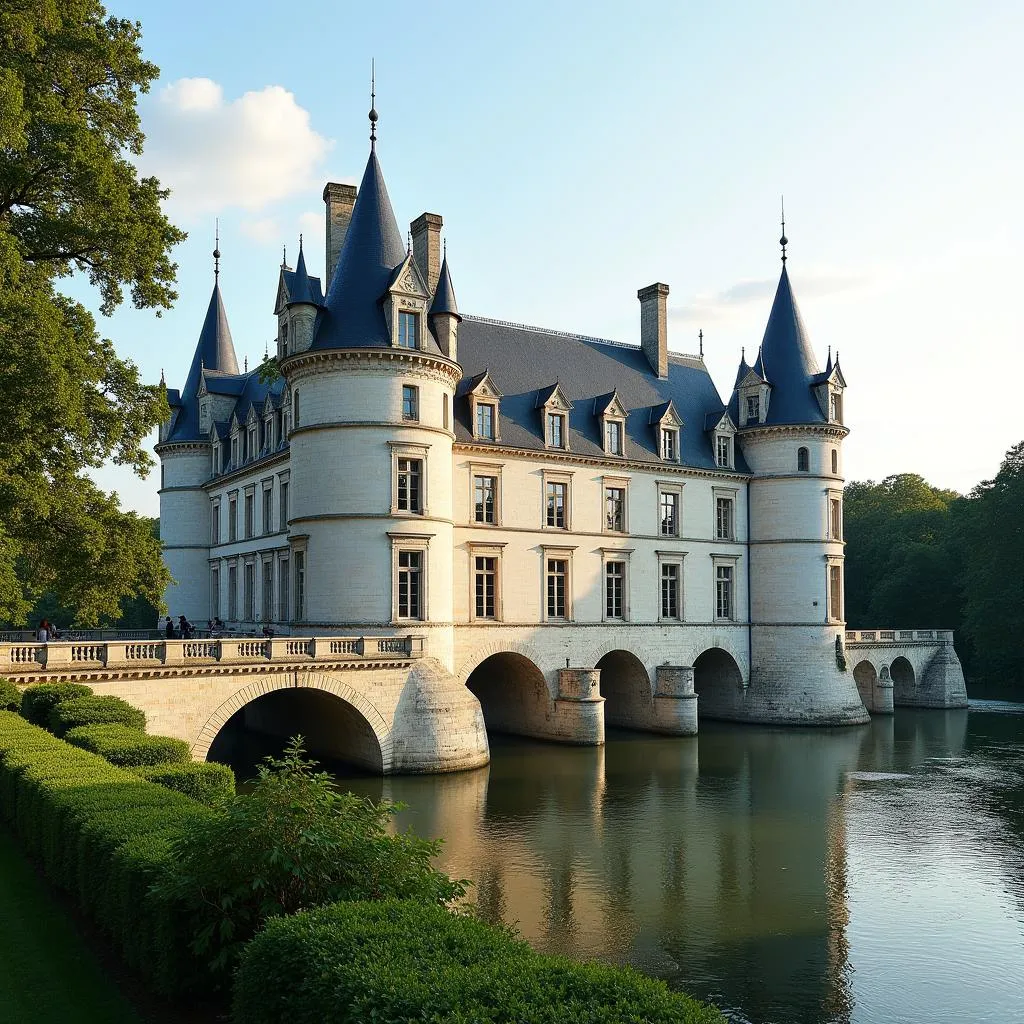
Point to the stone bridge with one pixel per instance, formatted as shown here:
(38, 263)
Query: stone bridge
(905, 668)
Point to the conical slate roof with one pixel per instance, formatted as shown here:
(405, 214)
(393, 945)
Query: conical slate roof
(301, 289)
(787, 362)
(444, 294)
(354, 315)
(214, 351)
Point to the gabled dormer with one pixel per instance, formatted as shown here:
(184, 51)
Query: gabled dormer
(667, 425)
(828, 389)
(205, 401)
(235, 432)
(754, 394)
(611, 414)
(484, 408)
(722, 432)
(554, 409)
(252, 434)
(405, 306)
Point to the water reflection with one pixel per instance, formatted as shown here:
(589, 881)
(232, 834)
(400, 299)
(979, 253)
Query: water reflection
(773, 871)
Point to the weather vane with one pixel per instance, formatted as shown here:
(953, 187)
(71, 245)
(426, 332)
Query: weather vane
(373, 106)
(783, 241)
(216, 250)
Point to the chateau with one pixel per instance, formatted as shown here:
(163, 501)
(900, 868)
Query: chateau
(553, 518)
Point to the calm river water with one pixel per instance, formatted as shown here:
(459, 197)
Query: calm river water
(871, 874)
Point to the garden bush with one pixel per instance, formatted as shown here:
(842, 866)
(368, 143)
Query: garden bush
(206, 781)
(399, 961)
(128, 748)
(38, 701)
(103, 835)
(10, 696)
(69, 714)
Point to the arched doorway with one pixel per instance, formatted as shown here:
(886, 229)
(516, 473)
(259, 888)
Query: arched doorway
(333, 731)
(513, 694)
(716, 680)
(626, 688)
(903, 679)
(865, 676)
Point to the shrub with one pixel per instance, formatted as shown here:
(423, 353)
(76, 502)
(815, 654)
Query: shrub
(70, 714)
(401, 961)
(38, 701)
(206, 781)
(10, 696)
(128, 748)
(292, 843)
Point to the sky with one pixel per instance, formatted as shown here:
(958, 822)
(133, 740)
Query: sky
(578, 152)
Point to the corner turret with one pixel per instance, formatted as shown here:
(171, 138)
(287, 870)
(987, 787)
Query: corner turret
(444, 314)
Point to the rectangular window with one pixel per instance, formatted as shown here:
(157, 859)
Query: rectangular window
(722, 453)
(557, 577)
(836, 405)
(556, 494)
(613, 437)
(835, 592)
(234, 450)
(615, 509)
(669, 590)
(300, 585)
(556, 430)
(249, 502)
(283, 521)
(669, 448)
(267, 593)
(251, 449)
(283, 591)
(215, 522)
(250, 592)
(485, 582)
(614, 589)
(836, 509)
(753, 407)
(723, 592)
(485, 421)
(723, 519)
(410, 402)
(485, 488)
(669, 514)
(233, 593)
(407, 324)
(232, 518)
(214, 592)
(410, 477)
(410, 584)
(268, 510)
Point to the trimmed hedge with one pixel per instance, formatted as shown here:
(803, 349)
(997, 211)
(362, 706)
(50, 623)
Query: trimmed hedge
(70, 714)
(10, 696)
(38, 701)
(394, 962)
(102, 834)
(128, 748)
(206, 781)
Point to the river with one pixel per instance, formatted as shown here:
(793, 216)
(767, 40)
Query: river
(865, 875)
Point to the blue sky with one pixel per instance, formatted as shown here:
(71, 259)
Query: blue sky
(578, 152)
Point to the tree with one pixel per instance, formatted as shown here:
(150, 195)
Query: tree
(71, 202)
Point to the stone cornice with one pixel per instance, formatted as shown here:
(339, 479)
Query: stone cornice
(181, 447)
(833, 430)
(304, 364)
(261, 464)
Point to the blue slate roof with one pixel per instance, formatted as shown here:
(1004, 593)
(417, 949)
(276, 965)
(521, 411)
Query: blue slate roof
(301, 287)
(522, 359)
(353, 316)
(214, 351)
(444, 293)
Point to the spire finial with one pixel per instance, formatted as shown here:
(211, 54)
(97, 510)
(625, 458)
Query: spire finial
(300, 243)
(700, 338)
(284, 257)
(373, 106)
(783, 241)
(408, 243)
(246, 364)
(446, 248)
(216, 251)
(163, 380)
(743, 354)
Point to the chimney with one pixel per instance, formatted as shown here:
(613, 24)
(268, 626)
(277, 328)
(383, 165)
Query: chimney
(654, 326)
(339, 200)
(426, 247)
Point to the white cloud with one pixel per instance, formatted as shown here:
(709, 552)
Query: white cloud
(262, 229)
(215, 153)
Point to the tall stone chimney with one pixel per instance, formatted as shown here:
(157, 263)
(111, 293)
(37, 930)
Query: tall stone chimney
(339, 200)
(426, 247)
(654, 326)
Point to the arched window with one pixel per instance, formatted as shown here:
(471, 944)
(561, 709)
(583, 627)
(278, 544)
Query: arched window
(835, 462)
(295, 409)
(444, 411)
(803, 460)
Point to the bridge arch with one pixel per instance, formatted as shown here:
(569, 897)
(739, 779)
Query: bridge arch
(513, 693)
(717, 681)
(626, 688)
(336, 719)
(866, 678)
(904, 679)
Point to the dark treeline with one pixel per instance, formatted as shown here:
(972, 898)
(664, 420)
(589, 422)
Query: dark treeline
(921, 557)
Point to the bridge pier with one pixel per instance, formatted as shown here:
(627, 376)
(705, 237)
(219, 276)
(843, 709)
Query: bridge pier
(579, 707)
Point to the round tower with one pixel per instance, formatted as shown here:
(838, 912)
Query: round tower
(790, 418)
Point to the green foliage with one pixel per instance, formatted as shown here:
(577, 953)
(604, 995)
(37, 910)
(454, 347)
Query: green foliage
(206, 781)
(269, 370)
(10, 696)
(396, 962)
(126, 747)
(103, 835)
(71, 202)
(291, 843)
(70, 714)
(38, 701)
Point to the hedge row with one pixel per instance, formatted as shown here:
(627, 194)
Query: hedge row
(206, 781)
(128, 748)
(398, 961)
(38, 701)
(101, 833)
(91, 710)
(10, 695)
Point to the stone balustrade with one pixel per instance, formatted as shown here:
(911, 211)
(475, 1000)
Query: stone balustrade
(59, 656)
(899, 636)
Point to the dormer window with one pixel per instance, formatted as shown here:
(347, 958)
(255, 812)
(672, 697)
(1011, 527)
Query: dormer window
(554, 410)
(835, 414)
(723, 451)
(484, 398)
(284, 338)
(613, 437)
(251, 451)
(236, 443)
(753, 408)
(613, 423)
(669, 444)
(408, 329)
(485, 421)
(556, 430)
